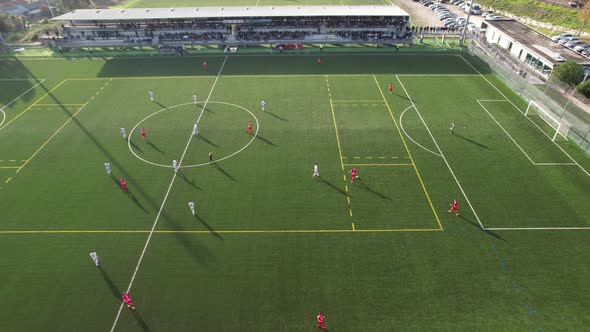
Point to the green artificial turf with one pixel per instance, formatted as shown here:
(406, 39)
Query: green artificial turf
(270, 246)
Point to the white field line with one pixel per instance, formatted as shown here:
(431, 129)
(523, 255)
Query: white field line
(521, 112)
(507, 134)
(257, 2)
(17, 98)
(165, 199)
(401, 124)
(536, 228)
(555, 164)
(235, 55)
(441, 153)
(20, 79)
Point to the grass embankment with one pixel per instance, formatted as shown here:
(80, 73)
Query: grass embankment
(537, 11)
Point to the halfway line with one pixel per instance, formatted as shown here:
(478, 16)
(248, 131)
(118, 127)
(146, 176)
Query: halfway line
(166, 198)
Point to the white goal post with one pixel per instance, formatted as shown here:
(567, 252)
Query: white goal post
(560, 125)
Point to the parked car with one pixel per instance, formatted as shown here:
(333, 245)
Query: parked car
(450, 19)
(565, 40)
(561, 36)
(574, 43)
(580, 48)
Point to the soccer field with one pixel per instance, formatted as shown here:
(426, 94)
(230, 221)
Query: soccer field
(271, 246)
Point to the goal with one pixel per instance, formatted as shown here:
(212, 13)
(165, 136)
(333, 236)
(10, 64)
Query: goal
(560, 126)
(231, 49)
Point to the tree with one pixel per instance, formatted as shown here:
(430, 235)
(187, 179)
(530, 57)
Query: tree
(584, 88)
(569, 72)
(5, 23)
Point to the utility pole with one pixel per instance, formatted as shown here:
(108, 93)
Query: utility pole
(462, 39)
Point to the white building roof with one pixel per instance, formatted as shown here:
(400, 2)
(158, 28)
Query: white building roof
(221, 12)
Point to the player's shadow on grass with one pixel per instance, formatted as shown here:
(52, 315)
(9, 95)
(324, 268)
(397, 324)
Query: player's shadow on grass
(265, 140)
(488, 232)
(208, 141)
(140, 321)
(155, 147)
(136, 201)
(191, 182)
(208, 110)
(402, 96)
(219, 168)
(135, 146)
(366, 187)
(116, 292)
(472, 141)
(211, 230)
(161, 105)
(276, 116)
(322, 180)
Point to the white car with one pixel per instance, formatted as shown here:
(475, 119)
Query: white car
(580, 48)
(561, 36)
(574, 43)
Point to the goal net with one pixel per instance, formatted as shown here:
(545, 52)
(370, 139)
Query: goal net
(559, 126)
(231, 49)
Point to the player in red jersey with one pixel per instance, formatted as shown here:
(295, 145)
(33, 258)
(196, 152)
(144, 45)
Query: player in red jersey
(127, 300)
(123, 184)
(249, 129)
(353, 174)
(320, 318)
(205, 66)
(143, 133)
(390, 88)
(319, 61)
(454, 208)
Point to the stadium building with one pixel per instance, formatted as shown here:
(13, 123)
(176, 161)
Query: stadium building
(289, 26)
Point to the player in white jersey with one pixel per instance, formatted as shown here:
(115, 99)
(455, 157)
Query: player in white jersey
(191, 205)
(123, 133)
(263, 105)
(175, 166)
(94, 257)
(452, 129)
(195, 99)
(152, 94)
(196, 129)
(107, 166)
(316, 170)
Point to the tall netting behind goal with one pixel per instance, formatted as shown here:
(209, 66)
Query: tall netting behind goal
(560, 126)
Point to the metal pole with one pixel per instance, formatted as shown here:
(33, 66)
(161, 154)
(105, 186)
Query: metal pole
(50, 10)
(462, 39)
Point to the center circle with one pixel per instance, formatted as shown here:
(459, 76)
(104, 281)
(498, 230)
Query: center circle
(203, 132)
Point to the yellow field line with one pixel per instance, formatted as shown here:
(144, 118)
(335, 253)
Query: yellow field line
(8, 180)
(201, 76)
(378, 165)
(353, 227)
(339, 147)
(53, 135)
(399, 230)
(8, 167)
(33, 104)
(357, 101)
(409, 153)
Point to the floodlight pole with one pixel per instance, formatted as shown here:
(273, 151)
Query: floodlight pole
(462, 39)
